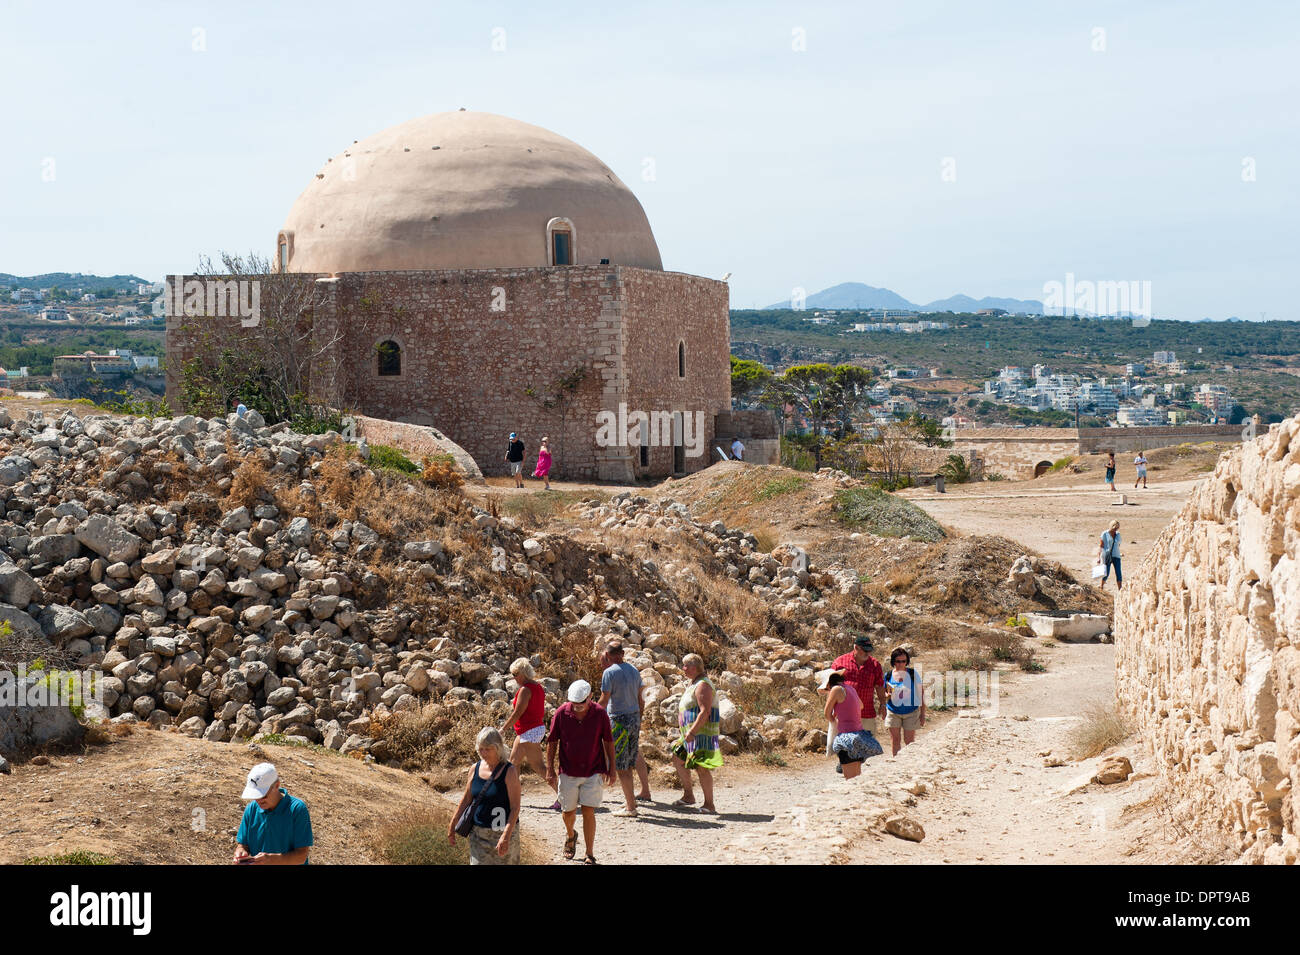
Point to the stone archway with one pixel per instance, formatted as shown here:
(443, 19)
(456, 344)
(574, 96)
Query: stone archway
(1041, 468)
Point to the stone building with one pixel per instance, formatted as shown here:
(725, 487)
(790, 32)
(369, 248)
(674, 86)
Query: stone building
(466, 264)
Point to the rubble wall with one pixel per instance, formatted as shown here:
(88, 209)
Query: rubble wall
(1207, 639)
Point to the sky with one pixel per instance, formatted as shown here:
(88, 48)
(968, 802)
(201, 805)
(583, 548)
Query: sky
(929, 147)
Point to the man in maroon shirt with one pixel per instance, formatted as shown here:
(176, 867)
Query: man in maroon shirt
(864, 673)
(581, 734)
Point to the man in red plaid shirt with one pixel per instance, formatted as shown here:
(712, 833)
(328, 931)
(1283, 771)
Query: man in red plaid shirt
(864, 673)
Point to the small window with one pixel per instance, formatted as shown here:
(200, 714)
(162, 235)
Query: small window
(645, 456)
(390, 358)
(284, 256)
(563, 248)
(681, 359)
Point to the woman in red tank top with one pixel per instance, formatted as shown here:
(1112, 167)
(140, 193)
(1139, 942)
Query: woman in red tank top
(529, 719)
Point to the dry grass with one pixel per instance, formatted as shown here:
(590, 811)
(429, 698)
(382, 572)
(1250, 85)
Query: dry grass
(441, 472)
(436, 734)
(251, 483)
(419, 837)
(1103, 726)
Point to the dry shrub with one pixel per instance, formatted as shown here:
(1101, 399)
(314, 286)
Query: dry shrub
(1103, 726)
(419, 837)
(251, 482)
(441, 472)
(436, 734)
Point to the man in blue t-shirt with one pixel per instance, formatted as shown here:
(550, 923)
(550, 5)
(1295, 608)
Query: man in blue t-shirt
(620, 694)
(276, 828)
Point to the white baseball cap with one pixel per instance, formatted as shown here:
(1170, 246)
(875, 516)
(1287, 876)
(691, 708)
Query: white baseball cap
(260, 780)
(579, 690)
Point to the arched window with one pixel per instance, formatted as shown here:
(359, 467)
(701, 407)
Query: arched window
(283, 250)
(390, 358)
(560, 242)
(681, 359)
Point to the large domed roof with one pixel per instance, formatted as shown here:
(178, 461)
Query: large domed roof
(464, 190)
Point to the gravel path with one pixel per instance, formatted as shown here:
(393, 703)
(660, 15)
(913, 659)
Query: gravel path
(988, 795)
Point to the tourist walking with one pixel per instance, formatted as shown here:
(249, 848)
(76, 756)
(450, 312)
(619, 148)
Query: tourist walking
(276, 827)
(701, 725)
(864, 673)
(543, 469)
(1110, 469)
(580, 735)
(905, 706)
(1140, 462)
(737, 450)
(1109, 557)
(528, 719)
(515, 459)
(492, 789)
(620, 694)
(849, 741)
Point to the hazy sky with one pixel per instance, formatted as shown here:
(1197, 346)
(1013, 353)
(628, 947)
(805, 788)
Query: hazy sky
(1105, 139)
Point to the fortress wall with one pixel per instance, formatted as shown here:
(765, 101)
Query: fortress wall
(1207, 639)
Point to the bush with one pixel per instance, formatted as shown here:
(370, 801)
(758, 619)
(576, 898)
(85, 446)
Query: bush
(1103, 726)
(387, 458)
(440, 471)
(419, 837)
(1061, 465)
(881, 513)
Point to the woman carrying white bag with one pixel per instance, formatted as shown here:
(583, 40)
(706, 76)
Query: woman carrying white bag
(845, 736)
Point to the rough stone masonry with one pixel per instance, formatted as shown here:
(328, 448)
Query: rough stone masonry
(1208, 647)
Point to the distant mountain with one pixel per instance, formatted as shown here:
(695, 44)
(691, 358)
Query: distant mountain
(857, 295)
(964, 303)
(853, 295)
(70, 280)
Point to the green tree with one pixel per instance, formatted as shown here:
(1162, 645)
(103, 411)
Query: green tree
(748, 379)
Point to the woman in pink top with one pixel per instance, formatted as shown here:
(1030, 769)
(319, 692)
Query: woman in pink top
(850, 741)
(544, 463)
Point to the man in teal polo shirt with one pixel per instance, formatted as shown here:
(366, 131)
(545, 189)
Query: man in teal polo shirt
(276, 828)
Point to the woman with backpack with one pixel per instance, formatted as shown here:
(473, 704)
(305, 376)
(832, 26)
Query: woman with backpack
(905, 709)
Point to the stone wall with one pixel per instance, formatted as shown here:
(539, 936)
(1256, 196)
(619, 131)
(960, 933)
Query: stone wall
(1143, 439)
(1208, 647)
(473, 342)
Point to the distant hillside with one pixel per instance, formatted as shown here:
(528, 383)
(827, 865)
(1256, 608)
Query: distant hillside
(70, 280)
(857, 295)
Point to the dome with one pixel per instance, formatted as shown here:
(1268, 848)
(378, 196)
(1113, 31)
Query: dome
(464, 190)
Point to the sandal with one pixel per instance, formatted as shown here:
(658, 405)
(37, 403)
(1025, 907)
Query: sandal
(590, 860)
(571, 845)
(679, 804)
(556, 805)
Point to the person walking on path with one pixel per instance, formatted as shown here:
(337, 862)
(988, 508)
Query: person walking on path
(864, 673)
(701, 725)
(515, 459)
(1109, 556)
(849, 741)
(1140, 462)
(580, 735)
(620, 694)
(528, 719)
(493, 788)
(276, 828)
(905, 709)
(543, 469)
(1110, 469)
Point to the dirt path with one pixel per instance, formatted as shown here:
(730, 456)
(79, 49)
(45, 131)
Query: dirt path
(987, 795)
(1063, 522)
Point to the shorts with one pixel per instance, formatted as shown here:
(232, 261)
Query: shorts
(534, 735)
(627, 739)
(483, 847)
(1142, 472)
(578, 791)
(516, 467)
(904, 721)
(855, 747)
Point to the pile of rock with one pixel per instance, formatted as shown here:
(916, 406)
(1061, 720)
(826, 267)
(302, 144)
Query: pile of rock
(785, 577)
